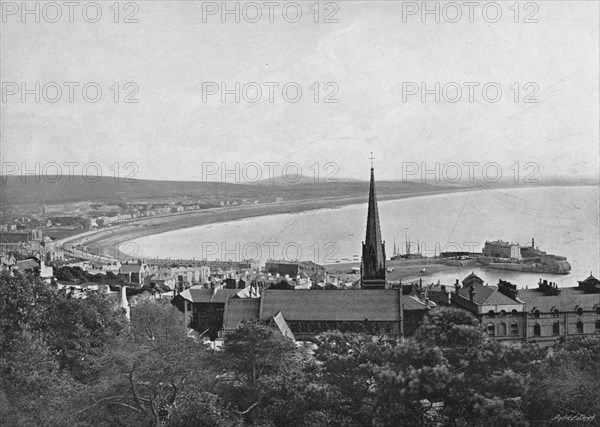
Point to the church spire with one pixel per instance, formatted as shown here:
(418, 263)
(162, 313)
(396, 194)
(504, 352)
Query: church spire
(373, 250)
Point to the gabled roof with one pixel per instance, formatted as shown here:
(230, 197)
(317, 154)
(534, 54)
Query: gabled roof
(130, 268)
(27, 264)
(336, 305)
(486, 295)
(568, 300)
(202, 295)
(280, 323)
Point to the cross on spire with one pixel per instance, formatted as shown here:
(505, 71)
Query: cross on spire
(371, 158)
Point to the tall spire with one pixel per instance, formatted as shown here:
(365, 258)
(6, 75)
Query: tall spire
(373, 251)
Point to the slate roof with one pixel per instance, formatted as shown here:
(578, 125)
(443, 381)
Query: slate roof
(27, 264)
(130, 268)
(486, 295)
(335, 305)
(568, 300)
(201, 295)
(239, 309)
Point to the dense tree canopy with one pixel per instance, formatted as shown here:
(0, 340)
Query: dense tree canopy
(78, 362)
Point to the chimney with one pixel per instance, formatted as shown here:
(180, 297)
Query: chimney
(532, 242)
(457, 286)
(124, 303)
(471, 293)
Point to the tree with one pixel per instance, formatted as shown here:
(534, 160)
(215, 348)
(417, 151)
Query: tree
(257, 362)
(150, 372)
(567, 383)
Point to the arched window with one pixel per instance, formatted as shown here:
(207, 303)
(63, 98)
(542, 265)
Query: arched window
(491, 330)
(536, 314)
(514, 328)
(503, 313)
(555, 312)
(556, 328)
(491, 313)
(580, 327)
(514, 313)
(502, 329)
(598, 310)
(580, 311)
(537, 330)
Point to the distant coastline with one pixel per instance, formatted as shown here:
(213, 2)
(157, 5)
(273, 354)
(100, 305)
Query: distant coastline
(107, 241)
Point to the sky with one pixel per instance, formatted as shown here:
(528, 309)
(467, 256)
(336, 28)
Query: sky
(373, 59)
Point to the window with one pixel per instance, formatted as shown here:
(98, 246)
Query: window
(503, 313)
(514, 313)
(598, 310)
(502, 329)
(580, 311)
(536, 314)
(537, 330)
(491, 330)
(514, 328)
(580, 327)
(189, 306)
(556, 329)
(597, 325)
(555, 312)
(491, 313)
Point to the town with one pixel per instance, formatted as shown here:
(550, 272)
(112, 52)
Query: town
(215, 296)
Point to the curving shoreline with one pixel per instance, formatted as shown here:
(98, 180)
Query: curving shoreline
(112, 242)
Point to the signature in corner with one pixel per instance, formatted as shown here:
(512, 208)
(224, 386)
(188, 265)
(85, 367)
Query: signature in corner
(574, 418)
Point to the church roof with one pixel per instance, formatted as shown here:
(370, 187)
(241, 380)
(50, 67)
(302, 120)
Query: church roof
(336, 305)
(239, 309)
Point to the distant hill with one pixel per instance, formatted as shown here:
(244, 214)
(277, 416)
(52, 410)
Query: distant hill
(14, 191)
(37, 190)
(293, 180)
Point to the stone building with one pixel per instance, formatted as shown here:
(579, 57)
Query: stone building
(501, 317)
(554, 312)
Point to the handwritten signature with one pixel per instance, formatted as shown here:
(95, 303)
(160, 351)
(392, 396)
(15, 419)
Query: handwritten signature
(571, 418)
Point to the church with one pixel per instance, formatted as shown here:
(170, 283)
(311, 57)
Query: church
(302, 314)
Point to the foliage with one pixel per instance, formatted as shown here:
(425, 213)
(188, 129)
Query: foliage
(67, 361)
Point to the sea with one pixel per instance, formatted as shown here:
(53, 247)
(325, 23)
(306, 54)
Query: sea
(561, 220)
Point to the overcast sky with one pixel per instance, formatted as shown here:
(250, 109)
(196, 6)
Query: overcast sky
(369, 57)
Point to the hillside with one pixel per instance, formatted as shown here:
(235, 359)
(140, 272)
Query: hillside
(14, 191)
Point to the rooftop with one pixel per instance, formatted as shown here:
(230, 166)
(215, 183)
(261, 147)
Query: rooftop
(568, 300)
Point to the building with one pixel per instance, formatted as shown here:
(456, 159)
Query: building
(541, 315)
(501, 317)
(373, 248)
(134, 272)
(502, 249)
(554, 312)
(296, 269)
(306, 313)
